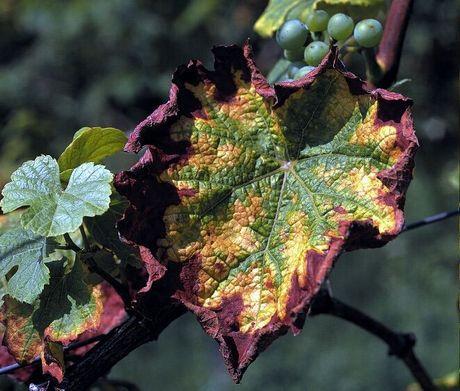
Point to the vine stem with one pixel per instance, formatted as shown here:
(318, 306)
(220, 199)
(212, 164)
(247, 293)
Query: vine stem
(122, 290)
(71, 244)
(431, 219)
(118, 344)
(400, 344)
(389, 52)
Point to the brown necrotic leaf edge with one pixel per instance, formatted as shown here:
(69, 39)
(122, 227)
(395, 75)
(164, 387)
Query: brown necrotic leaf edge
(142, 223)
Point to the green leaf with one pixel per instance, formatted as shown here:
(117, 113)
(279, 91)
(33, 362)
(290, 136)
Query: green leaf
(52, 211)
(103, 231)
(278, 11)
(27, 252)
(10, 221)
(90, 145)
(67, 307)
(252, 191)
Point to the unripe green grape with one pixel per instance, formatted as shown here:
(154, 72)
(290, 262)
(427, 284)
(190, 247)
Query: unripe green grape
(302, 72)
(317, 21)
(292, 35)
(340, 27)
(284, 77)
(294, 55)
(315, 52)
(294, 67)
(368, 33)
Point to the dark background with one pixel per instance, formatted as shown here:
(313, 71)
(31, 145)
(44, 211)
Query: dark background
(68, 64)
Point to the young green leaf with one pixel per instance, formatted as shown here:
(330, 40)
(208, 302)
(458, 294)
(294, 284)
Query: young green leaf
(52, 211)
(255, 190)
(90, 145)
(278, 11)
(27, 252)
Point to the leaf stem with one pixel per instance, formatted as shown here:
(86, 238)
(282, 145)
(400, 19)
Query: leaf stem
(431, 219)
(390, 48)
(71, 244)
(373, 71)
(121, 289)
(400, 344)
(85, 238)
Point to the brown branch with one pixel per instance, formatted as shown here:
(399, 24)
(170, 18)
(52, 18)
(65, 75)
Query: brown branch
(400, 344)
(390, 48)
(118, 344)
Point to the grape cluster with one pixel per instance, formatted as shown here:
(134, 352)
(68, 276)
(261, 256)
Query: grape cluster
(306, 44)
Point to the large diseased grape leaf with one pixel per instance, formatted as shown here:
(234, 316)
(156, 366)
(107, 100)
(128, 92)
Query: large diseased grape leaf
(53, 211)
(278, 11)
(248, 193)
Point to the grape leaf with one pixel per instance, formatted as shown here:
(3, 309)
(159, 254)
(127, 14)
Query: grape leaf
(52, 358)
(10, 221)
(26, 253)
(278, 11)
(67, 307)
(52, 211)
(248, 193)
(103, 231)
(29, 342)
(90, 145)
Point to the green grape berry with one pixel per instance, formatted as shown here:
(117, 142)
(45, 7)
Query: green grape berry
(284, 77)
(292, 35)
(302, 72)
(368, 33)
(340, 27)
(294, 67)
(294, 55)
(315, 52)
(317, 21)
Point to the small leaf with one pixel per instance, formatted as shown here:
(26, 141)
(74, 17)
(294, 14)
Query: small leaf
(252, 191)
(278, 11)
(52, 211)
(91, 145)
(25, 251)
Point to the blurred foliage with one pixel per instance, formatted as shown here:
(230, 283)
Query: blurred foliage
(68, 64)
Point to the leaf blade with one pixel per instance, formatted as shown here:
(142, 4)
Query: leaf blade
(91, 145)
(261, 189)
(52, 211)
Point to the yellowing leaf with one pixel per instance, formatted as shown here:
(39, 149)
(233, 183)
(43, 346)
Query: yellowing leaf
(253, 191)
(67, 307)
(278, 11)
